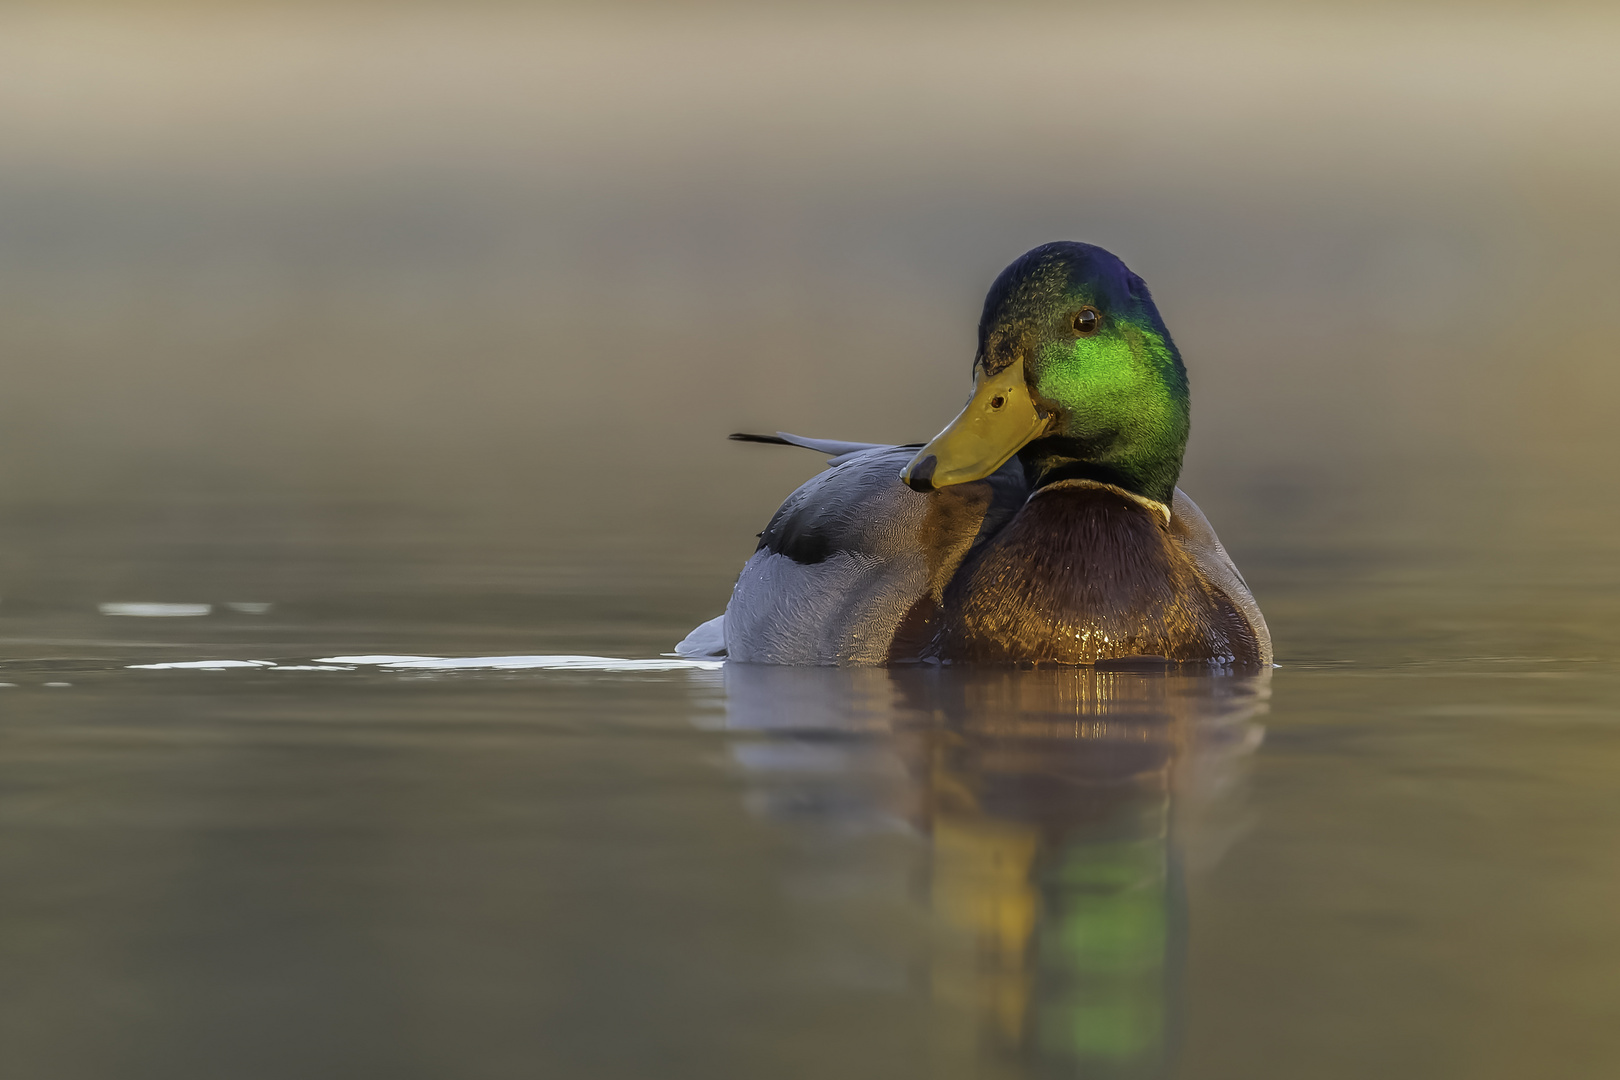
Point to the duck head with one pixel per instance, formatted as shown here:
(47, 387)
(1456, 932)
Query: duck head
(1076, 374)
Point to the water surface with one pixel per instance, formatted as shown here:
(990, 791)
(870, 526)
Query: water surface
(1391, 857)
(353, 332)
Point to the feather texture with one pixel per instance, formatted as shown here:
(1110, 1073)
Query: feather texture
(857, 568)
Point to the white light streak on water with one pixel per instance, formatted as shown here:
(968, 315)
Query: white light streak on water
(156, 611)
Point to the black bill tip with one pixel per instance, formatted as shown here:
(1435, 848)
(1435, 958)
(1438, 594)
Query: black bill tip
(922, 474)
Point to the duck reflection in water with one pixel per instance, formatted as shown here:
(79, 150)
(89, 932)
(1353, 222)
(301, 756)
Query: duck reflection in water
(1061, 809)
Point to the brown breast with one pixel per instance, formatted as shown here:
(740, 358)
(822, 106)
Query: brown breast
(1086, 573)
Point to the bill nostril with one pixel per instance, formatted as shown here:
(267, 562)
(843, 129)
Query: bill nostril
(922, 474)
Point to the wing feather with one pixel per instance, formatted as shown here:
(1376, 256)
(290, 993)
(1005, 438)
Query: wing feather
(848, 554)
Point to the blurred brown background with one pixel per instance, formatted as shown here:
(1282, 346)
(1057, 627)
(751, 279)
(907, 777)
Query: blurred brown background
(528, 266)
(419, 328)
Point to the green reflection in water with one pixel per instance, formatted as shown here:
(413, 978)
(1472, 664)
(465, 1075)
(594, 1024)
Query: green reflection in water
(1052, 803)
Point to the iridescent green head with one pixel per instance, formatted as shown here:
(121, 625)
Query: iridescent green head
(1076, 374)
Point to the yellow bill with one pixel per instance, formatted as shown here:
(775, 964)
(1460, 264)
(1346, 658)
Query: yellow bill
(998, 421)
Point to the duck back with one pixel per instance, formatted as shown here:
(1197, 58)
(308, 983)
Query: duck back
(850, 553)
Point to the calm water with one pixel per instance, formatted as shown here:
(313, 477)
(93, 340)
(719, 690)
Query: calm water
(1394, 857)
(402, 330)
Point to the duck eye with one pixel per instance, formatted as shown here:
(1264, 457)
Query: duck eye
(1086, 320)
(997, 402)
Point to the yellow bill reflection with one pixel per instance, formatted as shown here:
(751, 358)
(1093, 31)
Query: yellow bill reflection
(1055, 812)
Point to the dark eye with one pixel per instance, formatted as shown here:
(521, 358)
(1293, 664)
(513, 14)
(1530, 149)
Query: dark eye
(1086, 320)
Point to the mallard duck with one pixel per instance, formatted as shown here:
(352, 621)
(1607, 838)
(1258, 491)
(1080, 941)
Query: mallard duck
(1043, 525)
